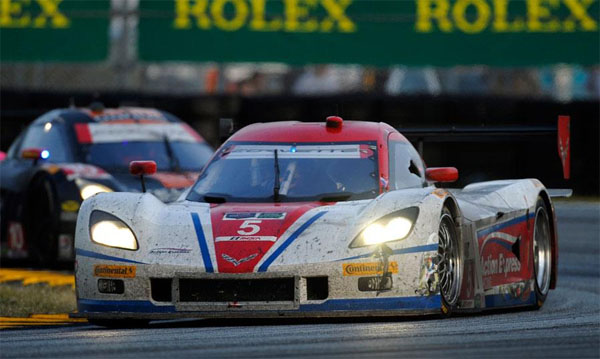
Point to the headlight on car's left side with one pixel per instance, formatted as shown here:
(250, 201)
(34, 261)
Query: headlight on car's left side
(110, 231)
(392, 227)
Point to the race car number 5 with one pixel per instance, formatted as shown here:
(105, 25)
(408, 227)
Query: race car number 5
(249, 227)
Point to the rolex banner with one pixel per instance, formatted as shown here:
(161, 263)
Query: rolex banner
(54, 30)
(372, 32)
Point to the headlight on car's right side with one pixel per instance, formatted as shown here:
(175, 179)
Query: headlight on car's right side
(110, 231)
(392, 227)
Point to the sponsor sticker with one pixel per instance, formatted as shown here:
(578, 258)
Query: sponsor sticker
(253, 215)
(170, 251)
(363, 269)
(114, 271)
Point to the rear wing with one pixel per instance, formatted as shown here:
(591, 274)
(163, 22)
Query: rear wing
(497, 134)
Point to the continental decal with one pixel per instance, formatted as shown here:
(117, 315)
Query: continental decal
(364, 269)
(112, 271)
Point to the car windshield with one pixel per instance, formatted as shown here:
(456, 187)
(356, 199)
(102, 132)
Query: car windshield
(247, 172)
(169, 156)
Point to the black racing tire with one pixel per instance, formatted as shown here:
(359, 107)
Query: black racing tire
(541, 252)
(120, 323)
(42, 222)
(449, 263)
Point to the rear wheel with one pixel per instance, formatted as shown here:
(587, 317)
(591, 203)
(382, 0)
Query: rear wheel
(449, 265)
(542, 253)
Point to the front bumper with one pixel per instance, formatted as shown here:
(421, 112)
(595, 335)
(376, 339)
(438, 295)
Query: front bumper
(342, 295)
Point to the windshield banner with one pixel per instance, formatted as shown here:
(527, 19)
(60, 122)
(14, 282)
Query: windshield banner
(296, 152)
(107, 133)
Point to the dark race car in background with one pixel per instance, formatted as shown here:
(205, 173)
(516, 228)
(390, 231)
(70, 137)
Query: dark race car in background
(68, 155)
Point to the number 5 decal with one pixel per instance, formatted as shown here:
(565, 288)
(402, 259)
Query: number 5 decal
(251, 225)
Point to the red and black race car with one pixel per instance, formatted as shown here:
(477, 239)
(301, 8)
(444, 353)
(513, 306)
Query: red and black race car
(68, 155)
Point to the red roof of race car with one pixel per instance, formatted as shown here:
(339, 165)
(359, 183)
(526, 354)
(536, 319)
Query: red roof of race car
(294, 131)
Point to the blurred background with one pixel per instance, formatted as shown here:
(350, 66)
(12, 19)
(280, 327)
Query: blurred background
(475, 84)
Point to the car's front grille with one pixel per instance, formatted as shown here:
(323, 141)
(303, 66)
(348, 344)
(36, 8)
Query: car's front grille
(237, 290)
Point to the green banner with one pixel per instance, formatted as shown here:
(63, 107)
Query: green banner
(373, 32)
(54, 30)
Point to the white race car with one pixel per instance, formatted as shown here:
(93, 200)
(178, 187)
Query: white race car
(315, 219)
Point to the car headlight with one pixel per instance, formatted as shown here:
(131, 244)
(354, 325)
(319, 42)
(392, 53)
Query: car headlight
(88, 189)
(110, 231)
(392, 227)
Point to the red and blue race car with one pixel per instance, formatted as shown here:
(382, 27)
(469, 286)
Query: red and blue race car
(68, 155)
(339, 218)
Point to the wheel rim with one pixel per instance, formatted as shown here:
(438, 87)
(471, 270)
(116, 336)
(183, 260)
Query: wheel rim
(541, 250)
(448, 261)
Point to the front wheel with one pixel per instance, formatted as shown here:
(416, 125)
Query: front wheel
(449, 266)
(542, 253)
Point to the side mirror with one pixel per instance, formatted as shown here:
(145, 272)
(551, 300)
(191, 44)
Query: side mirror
(2, 156)
(35, 154)
(141, 168)
(441, 174)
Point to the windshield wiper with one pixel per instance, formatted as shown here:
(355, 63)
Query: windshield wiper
(172, 158)
(334, 197)
(276, 184)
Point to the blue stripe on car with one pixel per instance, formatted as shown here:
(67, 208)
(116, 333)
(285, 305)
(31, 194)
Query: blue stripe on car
(86, 253)
(416, 249)
(508, 223)
(431, 302)
(263, 267)
(202, 242)
(396, 303)
(128, 306)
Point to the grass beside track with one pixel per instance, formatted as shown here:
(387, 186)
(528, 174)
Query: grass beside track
(17, 300)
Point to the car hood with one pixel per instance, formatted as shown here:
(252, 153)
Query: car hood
(248, 237)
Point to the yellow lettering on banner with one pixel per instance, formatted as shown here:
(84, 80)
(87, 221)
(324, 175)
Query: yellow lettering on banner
(50, 11)
(337, 13)
(11, 13)
(258, 21)
(579, 11)
(426, 14)
(539, 16)
(297, 16)
(183, 11)
(482, 18)
(501, 23)
(221, 21)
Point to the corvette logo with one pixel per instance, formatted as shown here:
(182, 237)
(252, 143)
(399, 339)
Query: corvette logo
(237, 262)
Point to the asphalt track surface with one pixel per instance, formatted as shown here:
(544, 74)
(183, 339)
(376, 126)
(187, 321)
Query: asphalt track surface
(567, 326)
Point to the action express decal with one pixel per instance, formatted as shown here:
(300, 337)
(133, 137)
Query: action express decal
(503, 250)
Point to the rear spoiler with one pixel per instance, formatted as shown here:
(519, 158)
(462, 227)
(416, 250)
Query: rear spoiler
(497, 133)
